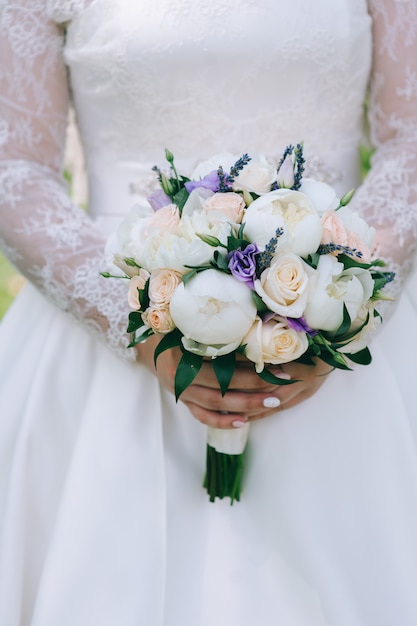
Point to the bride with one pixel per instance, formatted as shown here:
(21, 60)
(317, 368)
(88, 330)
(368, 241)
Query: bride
(103, 519)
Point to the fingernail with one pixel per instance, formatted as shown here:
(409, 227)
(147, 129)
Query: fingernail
(271, 403)
(237, 424)
(283, 375)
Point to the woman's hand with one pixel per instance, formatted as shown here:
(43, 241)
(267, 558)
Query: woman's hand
(248, 398)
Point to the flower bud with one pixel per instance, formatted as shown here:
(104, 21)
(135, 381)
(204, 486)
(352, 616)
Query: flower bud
(285, 176)
(210, 240)
(344, 201)
(169, 156)
(166, 185)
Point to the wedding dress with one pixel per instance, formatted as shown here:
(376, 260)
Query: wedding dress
(103, 518)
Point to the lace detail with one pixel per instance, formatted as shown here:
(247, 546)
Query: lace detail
(62, 11)
(388, 197)
(52, 241)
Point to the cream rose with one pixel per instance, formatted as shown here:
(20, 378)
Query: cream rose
(159, 319)
(256, 177)
(213, 309)
(283, 286)
(273, 342)
(162, 285)
(289, 210)
(225, 206)
(135, 283)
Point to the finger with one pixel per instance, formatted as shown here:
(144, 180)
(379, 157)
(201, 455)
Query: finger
(216, 419)
(245, 403)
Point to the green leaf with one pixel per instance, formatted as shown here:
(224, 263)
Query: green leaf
(234, 243)
(259, 303)
(312, 260)
(189, 275)
(268, 377)
(135, 321)
(141, 338)
(363, 357)
(171, 340)
(224, 367)
(144, 296)
(181, 198)
(337, 341)
(187, 370)
(346, 323)
(335, 359)
(220, 262)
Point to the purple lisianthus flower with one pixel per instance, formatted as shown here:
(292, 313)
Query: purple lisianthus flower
(210, 181)
(158, 199)
(242, 264)
(300, 325)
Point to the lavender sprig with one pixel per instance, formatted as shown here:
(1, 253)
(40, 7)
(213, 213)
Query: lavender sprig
(158, 172)
(223, 180)
(299, 166)
(329, 248)
(287, 152)
(238, 167)
(264, 259)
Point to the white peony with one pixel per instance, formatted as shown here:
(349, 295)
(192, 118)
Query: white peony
(322, 195)
(213, 309)
(333, 286)
(156, 245)
(290, 210)
(225, 159)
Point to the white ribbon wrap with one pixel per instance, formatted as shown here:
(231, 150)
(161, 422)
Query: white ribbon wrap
(228, 440)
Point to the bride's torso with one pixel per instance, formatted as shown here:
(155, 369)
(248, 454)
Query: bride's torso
(204, 77)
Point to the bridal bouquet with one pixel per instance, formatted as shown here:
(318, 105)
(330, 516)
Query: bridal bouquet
(247, 257)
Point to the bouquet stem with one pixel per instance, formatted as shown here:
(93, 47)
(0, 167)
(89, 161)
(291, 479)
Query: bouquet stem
(224, 462)
(223, 477)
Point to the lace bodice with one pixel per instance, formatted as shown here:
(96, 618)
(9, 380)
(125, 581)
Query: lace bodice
(199, 78)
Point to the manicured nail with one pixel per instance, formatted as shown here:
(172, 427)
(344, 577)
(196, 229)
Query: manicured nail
(238, 424)
(271, 403)
(283, 375)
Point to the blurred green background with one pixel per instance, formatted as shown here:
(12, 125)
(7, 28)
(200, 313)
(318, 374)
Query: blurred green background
(10, 284)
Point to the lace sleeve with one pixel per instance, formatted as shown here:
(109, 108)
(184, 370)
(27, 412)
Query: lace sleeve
(50, 240)
(388, 196)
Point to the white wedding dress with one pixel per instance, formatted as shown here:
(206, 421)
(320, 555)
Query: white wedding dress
(103, 518)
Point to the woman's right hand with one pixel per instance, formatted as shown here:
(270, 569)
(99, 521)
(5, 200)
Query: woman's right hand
(248, 397)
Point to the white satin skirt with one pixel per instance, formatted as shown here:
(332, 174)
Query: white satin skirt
(104, 521)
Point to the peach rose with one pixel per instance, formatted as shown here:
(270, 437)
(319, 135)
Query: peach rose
(229, 205)
(166, 218)
(162, 285)
(135, 283)
(273, 342)
(356, 243)
(334, 230)
(159, 319)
